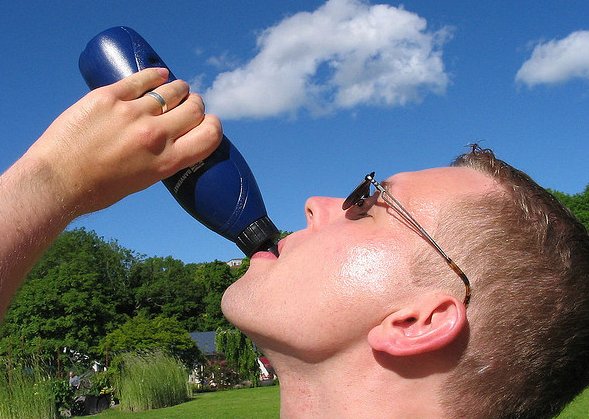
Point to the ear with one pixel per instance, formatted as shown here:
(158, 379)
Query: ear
(427, 324)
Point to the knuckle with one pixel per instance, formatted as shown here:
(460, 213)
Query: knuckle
(167, 167)
(215, 127)
(133, 83)
(197, 103)
(105, 100)
(126, 111)
(102, 98)
(151, 138)
(211, 134)
(181, 86)
(177, 90)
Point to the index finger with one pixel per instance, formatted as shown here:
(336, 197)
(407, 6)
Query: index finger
(137, 84)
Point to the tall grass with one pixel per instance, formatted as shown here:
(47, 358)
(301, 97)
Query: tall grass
(151, 381)
(26, 393)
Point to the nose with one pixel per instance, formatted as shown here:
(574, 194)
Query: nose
(321, 210)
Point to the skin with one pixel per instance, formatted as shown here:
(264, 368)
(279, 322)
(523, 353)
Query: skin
(336, 314)
(111, 143)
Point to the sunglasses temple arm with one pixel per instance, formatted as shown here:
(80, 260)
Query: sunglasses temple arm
(396, 205)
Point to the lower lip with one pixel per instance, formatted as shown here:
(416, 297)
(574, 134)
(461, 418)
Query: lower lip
(264, 255)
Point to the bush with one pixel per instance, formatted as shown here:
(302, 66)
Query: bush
(64, 398)
(151, 381)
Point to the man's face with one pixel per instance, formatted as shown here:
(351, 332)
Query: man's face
(343, 274)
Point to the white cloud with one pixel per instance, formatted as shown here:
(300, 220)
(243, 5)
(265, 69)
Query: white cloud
(557, 61)
(344, 54)
(223, 61)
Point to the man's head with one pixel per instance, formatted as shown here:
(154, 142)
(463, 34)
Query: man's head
(347, 271)
(364, 282)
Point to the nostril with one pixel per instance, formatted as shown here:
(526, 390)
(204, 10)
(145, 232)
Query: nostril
(309, 214)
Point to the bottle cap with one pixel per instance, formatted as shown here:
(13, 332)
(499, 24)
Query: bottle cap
(260, 235)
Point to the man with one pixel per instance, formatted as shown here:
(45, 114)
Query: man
(113, 142)
(74, 380)
(385, 324)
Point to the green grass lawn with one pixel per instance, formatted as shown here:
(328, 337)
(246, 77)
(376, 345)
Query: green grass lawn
(263, 402)
(260, 402)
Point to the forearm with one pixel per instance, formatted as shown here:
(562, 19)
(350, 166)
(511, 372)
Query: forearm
(33, 211)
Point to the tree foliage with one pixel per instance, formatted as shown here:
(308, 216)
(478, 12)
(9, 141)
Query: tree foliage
(143, 335)
(73, 297)
(215, 277)
(577, 203)
(168, 287)
(240, 352)
(85, 288)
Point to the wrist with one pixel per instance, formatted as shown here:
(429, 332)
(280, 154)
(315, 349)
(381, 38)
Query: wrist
(42, 188)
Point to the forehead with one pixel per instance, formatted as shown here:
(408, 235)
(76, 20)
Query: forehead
(440, 182)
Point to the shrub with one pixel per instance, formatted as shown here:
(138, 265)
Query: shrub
(151, 381)
(217, 375)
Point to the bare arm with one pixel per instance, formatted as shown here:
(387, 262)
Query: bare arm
(111, 143)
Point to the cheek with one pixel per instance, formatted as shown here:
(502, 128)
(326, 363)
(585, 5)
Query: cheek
(370, 269)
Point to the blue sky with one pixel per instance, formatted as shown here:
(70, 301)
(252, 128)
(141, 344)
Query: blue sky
(316, 94)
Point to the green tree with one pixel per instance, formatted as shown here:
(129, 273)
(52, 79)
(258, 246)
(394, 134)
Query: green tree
(71, 298)
(166, 286)
(215, 277)
(140, 334)
(577, 203)
(240, 352)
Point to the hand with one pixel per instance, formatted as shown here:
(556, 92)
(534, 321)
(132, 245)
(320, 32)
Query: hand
(111, 143)
(116, 141)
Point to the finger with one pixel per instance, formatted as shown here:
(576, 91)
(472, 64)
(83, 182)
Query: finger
(198, 143)
(184, 117)
(171, 94)
(137, 84)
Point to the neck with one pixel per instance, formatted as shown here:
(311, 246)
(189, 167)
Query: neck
(355, 385)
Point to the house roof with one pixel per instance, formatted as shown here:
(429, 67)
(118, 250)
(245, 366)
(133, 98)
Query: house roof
(205, 342)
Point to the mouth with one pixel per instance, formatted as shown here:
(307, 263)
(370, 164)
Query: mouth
(264, 255)
(272, 254)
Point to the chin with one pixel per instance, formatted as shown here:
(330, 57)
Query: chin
(228, 304)
(247, 310)
(239, 304)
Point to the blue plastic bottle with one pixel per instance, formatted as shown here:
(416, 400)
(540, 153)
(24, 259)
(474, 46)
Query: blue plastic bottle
(221, 191)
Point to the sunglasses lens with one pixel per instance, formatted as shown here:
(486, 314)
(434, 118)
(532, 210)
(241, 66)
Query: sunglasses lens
(361, 192)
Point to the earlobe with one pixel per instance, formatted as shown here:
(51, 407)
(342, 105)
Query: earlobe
(429, 324)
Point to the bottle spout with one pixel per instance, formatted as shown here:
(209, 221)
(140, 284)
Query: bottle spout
(274, 250)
